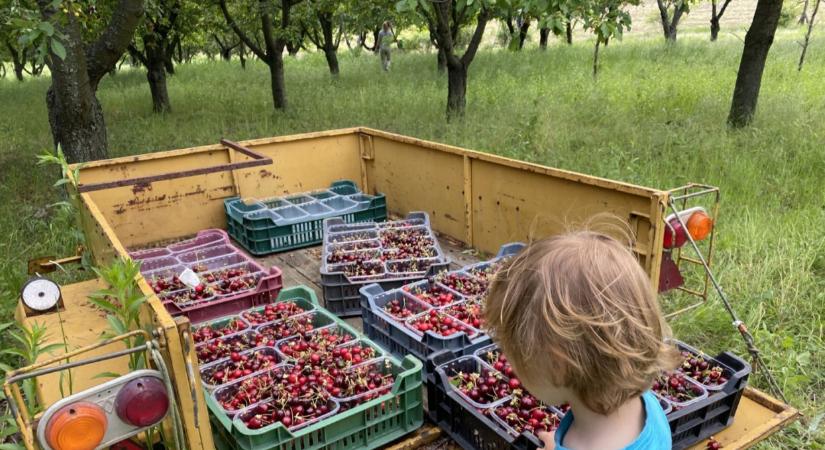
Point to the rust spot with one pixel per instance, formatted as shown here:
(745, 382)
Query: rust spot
(120, 209)
(140, 187)
(265, 173)
(449, 217)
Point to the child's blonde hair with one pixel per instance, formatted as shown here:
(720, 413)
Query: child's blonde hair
(578, 311)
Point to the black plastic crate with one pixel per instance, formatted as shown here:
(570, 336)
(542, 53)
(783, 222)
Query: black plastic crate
(715, 413)
(398, 339)
(471, 429)
(340, 291)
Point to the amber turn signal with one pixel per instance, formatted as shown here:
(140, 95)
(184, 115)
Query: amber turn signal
(77, 426)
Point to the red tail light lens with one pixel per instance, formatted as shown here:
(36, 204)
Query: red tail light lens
(142, 401)
(675, 234)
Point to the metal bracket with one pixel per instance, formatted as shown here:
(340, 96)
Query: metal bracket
(48, 264)
(257, 160)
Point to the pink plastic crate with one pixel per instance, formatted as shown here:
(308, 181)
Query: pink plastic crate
(267, 292)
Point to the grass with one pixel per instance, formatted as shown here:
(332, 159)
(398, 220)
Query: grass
(655, 116)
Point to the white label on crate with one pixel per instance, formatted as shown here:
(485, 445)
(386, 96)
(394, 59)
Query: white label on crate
(190, 278)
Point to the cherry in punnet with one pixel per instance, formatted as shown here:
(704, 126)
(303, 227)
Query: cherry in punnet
(487, 272)
(354, 236)
(409, 266)
(272, 312)
(702, 370)
(207, 332)
(463, 284)
(432, 294)
(340, 256)
(312, 347)
(482, 387)
(675, 387)
(199, 293)
(240, 365)
(221, 347)
(360, 269)
(439, 323)
(164, 284)
(367, 382)
(499, 362)
(291, 326)
(468, 312)
(713, 444)
(526, 413)
(401, 309)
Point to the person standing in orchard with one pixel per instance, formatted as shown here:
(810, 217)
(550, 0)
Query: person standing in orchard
(385, 38)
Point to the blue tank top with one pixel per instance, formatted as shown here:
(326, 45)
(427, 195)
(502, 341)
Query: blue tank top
(654, 436)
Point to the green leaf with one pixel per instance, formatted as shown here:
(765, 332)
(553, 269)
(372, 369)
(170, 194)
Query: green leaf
(52, 347)
(60, 51)
(12, 447)
(47, 28)
(107, 375)
(117, 325)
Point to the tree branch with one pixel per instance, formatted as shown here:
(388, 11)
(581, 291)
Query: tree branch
(102, 56)
(137, 54)
(232, 24)
(470, 53)
(722, 10)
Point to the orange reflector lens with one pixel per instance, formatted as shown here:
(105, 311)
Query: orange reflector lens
(699, 225)
(78, 426)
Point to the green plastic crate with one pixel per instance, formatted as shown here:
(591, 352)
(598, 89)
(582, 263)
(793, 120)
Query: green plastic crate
(369, 425)
(257, 231)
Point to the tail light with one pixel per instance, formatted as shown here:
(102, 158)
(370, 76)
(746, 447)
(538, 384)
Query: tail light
(142, 401)
(698, 224)
(77, 426)
(105, 414)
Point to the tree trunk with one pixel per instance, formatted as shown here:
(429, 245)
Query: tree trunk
(75, 115)
(442, 60)
(544, 33)
(329, 47)
(510, 27)
(714, 29)
(456, 90)
(375, 39)
(596, 58)
(242, 55)
(522, 33)
(569, 31)
(803, 17)
(156, 75)
(808, 35)
(18, 60)
(276, 74)
(332, 61)
(758, 42)
(168, 64)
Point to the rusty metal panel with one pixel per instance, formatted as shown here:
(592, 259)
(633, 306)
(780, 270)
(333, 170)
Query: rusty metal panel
(416, 178)
(300, 165)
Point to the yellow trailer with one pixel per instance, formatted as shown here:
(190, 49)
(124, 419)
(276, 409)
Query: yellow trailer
(475, 201)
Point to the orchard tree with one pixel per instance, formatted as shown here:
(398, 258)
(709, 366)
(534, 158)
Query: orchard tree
(716, 13)
(80, 44)
(606, 19)
(448, 16)
(670, 13)
(323, 22)
(154, 47)
(275, 39)
(554, 16)
(758, 42)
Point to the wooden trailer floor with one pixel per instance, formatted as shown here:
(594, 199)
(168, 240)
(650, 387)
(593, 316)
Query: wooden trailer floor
(758, 416)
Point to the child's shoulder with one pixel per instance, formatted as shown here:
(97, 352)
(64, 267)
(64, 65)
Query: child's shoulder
(656, 433)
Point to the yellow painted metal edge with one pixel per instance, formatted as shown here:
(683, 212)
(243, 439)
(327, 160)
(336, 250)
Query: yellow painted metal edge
(786, 414)
(213, 147)
(537, 168)
(199, 436)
